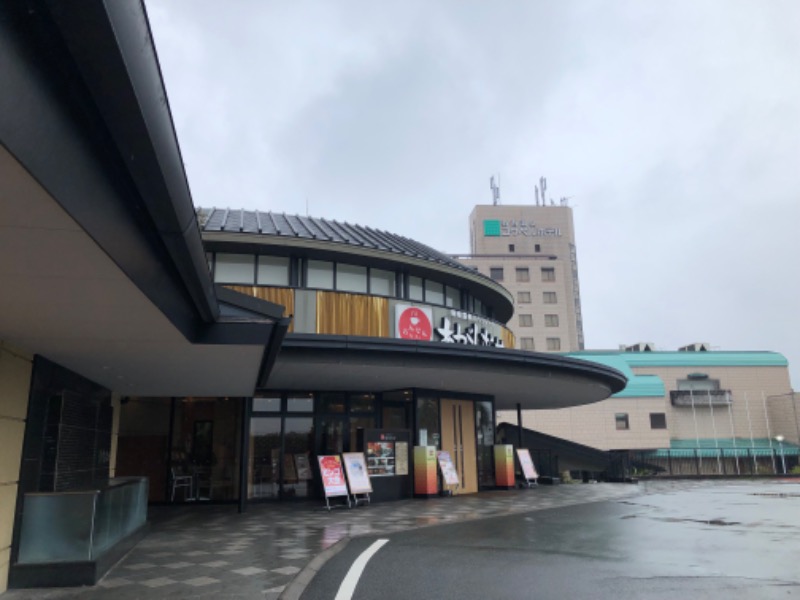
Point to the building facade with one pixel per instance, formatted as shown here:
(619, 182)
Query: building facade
(531, 251)
(684, 399)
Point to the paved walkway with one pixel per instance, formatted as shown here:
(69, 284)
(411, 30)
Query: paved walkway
(214, 552)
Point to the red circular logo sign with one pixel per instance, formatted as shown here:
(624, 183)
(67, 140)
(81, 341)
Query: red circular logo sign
(414, 324)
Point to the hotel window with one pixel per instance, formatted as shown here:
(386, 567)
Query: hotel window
(235, 268)
(434, 292)
(524, 297)
(621, 421)
(526, 320)
(381, 283)
(415, 288)
(548, 274)
(511, 247)
(351, 278)
(537, 248)
(526, 343)
(658, 421)
(452, 297)
(319, 274)
(554, 344)
(523, 275)
(496, 273)
(549, 298)
(551, 320)
(273, 270)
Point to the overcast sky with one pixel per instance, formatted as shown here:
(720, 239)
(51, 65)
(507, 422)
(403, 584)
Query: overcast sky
(673, 127)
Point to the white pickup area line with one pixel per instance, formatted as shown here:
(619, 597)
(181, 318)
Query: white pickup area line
(354, 574)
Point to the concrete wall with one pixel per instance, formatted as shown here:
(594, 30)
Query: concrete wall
(15, 377)
(762, 406)
(554, 252)
(594, 424)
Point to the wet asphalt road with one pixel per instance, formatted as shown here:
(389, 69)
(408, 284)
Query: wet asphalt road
(731, 541)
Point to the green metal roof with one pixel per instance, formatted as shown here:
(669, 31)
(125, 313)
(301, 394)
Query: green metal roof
(648, 386)
(728, 447)
(639, 386)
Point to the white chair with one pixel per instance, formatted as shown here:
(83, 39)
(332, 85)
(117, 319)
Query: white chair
(182, 481)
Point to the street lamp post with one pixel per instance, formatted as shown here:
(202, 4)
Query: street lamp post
(779, 439)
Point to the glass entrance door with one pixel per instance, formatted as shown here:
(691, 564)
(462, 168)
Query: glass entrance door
(458, 438)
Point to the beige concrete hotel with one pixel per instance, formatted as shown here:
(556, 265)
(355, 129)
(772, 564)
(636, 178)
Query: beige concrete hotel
(531, 251)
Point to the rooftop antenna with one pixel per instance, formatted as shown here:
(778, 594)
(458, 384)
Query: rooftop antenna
(537, 194)
(543, 188)
(495, 187)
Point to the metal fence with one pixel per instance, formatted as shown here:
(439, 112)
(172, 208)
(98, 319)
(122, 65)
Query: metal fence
(730, 462)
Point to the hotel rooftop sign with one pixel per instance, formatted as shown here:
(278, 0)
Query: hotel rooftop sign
(513, 227)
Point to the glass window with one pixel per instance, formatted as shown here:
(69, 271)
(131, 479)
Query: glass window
(357, 423)
(523, 274)
(537, 248)
(267, 404)
(351, 278)
(484, 427)
(273, 270)
(452, 297)
(428, 422)
(549, 298)
(551, 320)
(496, 273)
(415, 288)
(524, 297)
(526, 320)
(548, 274)
(320, 274)
(526, 343)
(235, 268)
(381, 283)
(511, 247)
(621, 421)
(331, 402)
(658, 421)
(362, 403)
(265, 447)
(554, 343)
(298, 439)
(300, 403)
(434, 292)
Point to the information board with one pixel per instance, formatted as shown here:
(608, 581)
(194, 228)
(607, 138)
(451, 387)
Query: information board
(330, 467)
(526, 462)
(449, 472)
(357, 475)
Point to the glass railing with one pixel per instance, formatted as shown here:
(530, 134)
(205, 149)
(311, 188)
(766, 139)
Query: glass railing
(81, 525)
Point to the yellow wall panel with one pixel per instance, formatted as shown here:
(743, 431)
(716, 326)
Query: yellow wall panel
(352, 314)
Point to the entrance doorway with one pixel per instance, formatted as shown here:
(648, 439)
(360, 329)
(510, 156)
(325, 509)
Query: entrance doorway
(458, 438)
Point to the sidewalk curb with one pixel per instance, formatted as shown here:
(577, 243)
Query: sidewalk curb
(299, 584)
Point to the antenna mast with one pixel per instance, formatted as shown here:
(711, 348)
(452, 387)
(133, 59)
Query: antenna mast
(495, 187)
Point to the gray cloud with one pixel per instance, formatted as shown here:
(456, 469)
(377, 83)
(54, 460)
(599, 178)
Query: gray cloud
(674, 128)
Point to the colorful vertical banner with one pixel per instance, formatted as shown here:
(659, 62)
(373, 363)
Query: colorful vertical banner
(504, 466)
(449, 473)
(425, 471)
(526, 462)
(333, 480)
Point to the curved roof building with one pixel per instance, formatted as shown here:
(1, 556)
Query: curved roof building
(349, 288)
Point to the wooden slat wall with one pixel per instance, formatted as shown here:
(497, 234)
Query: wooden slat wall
(352, 314)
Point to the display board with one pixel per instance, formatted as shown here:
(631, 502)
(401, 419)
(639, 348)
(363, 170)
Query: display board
(357, 474)
(303, 467)
(449, 473)
(333, 481)
(526, 462)
(381, 458)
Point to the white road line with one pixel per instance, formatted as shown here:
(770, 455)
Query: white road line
(354, 574)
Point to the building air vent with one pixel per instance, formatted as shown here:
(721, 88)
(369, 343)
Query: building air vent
(641, 347)
(696, 347)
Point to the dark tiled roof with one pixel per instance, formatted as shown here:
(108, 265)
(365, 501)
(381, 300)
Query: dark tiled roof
(295, 226)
